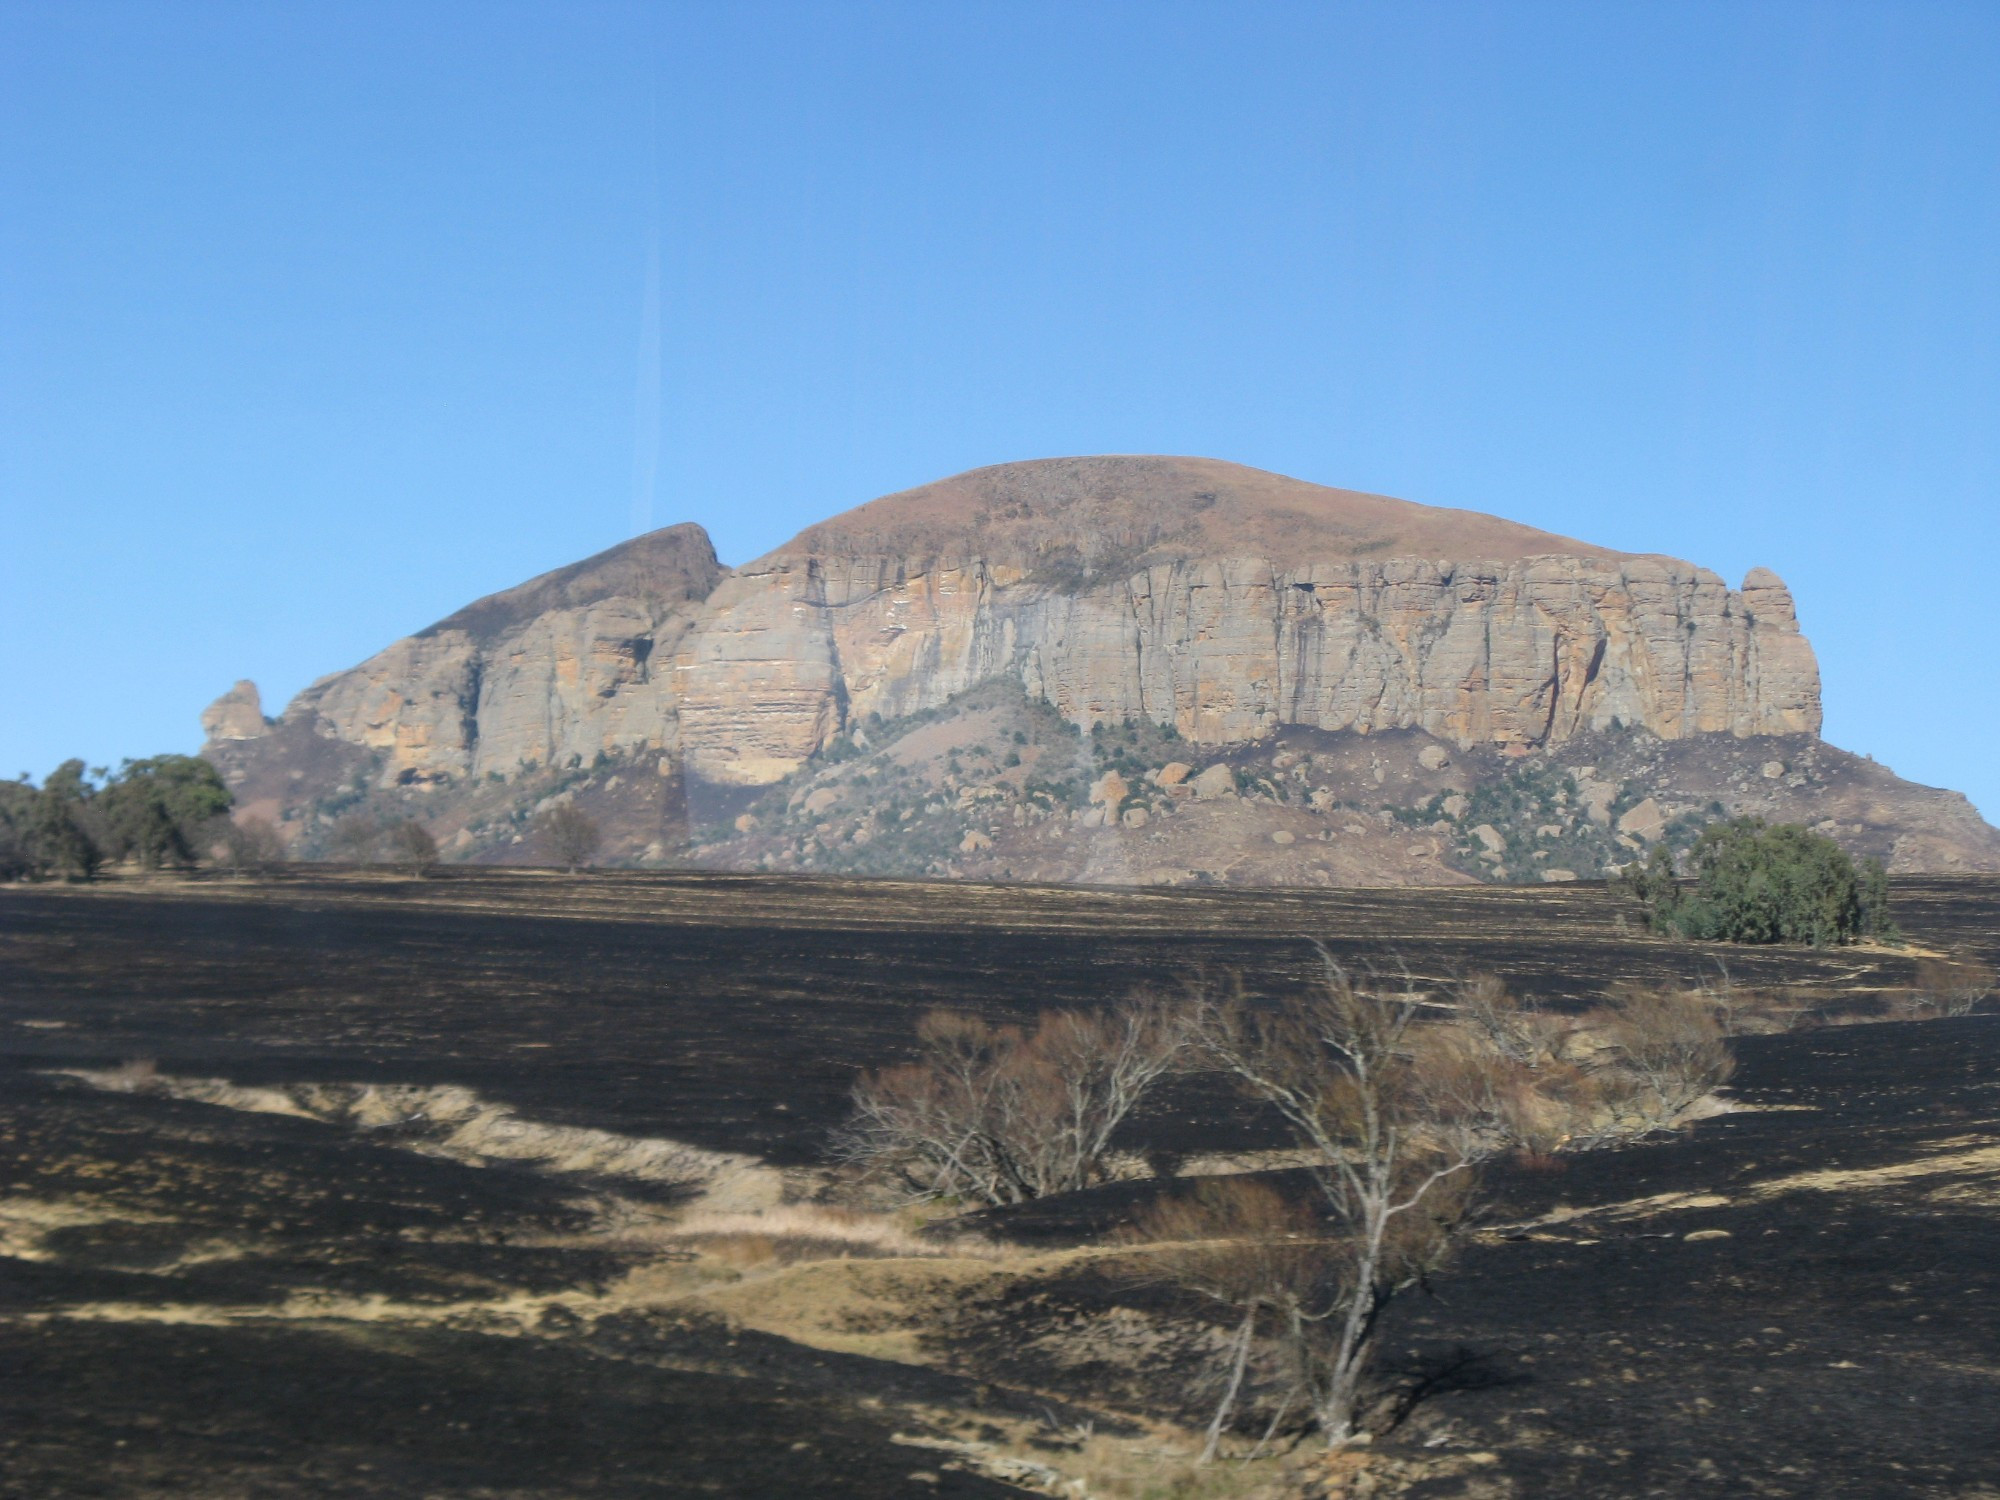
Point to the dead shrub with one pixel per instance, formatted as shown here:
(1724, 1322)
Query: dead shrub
(1763, 1011)
(412, 848)
(1669, 1043)
(356, 838)
(1954, 985)
(1516, 1028)
(1548, 1116)
(252, 846)
(1003, 1114)
(1241, 1245)
(570, 836)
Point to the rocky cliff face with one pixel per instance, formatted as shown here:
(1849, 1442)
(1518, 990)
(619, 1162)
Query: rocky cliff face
(1519, 653)
(567, 666)
(1229, 604)
(1226, 602)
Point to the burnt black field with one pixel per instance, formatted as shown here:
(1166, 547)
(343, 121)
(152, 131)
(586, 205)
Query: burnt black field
(1840, 1336)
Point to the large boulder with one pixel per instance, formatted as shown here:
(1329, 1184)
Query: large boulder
(1216, 781)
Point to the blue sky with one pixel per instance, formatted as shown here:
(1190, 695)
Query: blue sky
(318, 321)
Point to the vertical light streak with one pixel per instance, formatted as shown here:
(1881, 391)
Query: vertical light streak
(648, 385)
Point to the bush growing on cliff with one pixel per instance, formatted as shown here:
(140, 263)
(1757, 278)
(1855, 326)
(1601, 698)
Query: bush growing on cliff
(1762, 883)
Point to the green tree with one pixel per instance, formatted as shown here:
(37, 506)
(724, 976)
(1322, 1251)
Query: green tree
(1761, 883)
(157, 809)
(17, 802)
(57, 833)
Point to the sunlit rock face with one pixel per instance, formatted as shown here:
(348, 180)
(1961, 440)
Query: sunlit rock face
(565, 667)
(237, 715)
(1522, 640)
(1223, 600)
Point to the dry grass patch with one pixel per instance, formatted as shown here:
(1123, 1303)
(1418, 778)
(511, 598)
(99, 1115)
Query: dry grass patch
(879, 1308)
(795, 1232)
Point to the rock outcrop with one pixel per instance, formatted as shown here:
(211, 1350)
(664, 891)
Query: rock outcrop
(1229, 604)
(561, 669)
(237, 715)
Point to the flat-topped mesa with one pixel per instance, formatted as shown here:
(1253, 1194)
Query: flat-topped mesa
(1228, 602)
(562, 667)
(1223, 600)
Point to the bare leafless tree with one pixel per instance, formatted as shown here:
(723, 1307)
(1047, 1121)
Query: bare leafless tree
(1723, 998)
(569, 834)
(413, 848)
(1004, 1114)
(356, 838)
(252, 846)
(1392, 1145)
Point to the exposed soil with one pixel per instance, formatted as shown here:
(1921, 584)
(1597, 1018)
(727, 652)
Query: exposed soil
(212, 1299)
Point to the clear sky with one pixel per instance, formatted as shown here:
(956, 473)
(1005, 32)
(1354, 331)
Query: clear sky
(319, 320)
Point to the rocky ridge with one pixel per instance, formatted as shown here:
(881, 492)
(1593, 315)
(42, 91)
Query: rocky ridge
(1220, 605)
(561, 668)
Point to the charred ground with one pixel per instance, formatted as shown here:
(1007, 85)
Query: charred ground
(213, 1301)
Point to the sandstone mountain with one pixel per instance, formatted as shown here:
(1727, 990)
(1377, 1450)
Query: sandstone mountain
(1204, 611)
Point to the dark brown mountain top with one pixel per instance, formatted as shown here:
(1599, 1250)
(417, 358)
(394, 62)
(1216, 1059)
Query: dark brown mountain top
(1138, 509)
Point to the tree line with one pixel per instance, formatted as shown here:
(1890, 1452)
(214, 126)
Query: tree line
(167, 812)
(162, 812)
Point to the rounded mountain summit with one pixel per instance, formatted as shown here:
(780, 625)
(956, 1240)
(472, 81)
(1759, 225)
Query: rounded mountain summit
(1227, 602)
(1113, 511)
